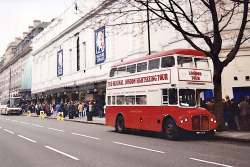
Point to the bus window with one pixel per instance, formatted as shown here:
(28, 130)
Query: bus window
(131, 68)
(120, 100)
(185, 62)
(109, 100)
(121, 70)
(201, 63)
(113, 100)
(167, 62)
(164, 96)
(173, 96)
(187, 97)
(141, 67)
(112, 72)
(153, 64)
(130, 100)
(141, 99)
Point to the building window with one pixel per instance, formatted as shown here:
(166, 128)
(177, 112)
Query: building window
(78, 54)
(247, 78)
(236, 78)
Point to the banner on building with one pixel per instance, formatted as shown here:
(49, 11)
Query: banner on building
(60, 63)
(100, 46)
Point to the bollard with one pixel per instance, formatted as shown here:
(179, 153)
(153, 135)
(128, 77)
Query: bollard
(58, 116)
(28, 113)
(62, 117)
(41, 114)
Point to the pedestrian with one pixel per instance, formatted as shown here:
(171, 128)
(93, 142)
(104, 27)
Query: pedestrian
(232, 110)
(225, 107)
(245, 113)
(80, 109)
(86, 104)
(67, 108)
(58, 109)
(209, 105)
(90, 111)
(76, 109)
(47, 108)
(62, 108)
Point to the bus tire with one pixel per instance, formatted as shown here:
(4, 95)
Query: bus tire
(119, 126)
(171, 130)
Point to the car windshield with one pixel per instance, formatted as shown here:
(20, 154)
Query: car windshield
(15, 102)
(187, 97)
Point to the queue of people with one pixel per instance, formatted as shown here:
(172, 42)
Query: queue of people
(77, 109)
(236, 115)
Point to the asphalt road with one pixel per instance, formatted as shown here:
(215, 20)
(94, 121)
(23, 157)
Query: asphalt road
(32, 142)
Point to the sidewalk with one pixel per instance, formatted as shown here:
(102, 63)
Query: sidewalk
(241, 136)
(96, 120)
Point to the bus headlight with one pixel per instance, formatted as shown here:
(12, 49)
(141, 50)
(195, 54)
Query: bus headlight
(182, 120)
(212, 119)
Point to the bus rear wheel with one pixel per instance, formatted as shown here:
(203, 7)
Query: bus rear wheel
(171, 130)
(119, 126)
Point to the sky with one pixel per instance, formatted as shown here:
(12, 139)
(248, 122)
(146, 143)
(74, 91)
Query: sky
(17, 15)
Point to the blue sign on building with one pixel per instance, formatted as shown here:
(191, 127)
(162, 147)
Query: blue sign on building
(60, 63)
(100, 46)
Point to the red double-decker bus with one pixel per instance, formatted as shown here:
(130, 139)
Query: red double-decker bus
(161, 93)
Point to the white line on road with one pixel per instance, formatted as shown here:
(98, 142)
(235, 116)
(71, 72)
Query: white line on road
(56, 129)
(139, 147)
(27, 138)
(8, 131)
(210, 162)
(14, 120)
(37, 125)
(0, 127)
(24, 123)
(85, 136)
(7, 119)
(62, 153)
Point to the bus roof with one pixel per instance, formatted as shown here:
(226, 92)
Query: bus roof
(170, 52)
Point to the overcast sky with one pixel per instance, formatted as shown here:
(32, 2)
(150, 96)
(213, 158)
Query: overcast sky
(17, 15)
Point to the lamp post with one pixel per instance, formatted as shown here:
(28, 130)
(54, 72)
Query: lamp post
(149, 50)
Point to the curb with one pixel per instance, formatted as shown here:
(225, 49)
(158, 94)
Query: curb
(232, 139)
(72, 120)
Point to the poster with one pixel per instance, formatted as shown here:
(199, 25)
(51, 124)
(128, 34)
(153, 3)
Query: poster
(60, 63)
(100, 46)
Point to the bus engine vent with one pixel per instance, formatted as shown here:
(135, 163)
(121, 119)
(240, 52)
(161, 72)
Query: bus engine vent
(200, 122)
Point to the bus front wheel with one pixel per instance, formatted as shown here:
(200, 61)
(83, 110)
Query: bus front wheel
(119, 127)
(171, 130)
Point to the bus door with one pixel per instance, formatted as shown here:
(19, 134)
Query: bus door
(170, 102)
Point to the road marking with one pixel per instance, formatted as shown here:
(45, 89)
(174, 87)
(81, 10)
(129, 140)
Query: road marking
(210, 162)
(56, 129)
(27, 138)
(85, 136)
(139, 147)
(7, 119)
(24, 123)
(70, 156)
(8, 131)
(14, 120)
(37, 125)
(0, 127)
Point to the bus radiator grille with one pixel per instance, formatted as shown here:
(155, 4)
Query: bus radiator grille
(200, 123)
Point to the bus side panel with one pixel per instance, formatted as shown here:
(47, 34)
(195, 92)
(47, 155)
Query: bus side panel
(136, 117)
(110, 115)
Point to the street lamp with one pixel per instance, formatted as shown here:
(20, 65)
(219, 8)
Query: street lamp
(149, 49)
